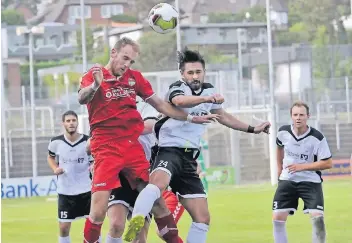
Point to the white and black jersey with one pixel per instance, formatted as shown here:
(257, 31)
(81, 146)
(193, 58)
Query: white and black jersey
(309, 147)
(183, 134)
(147, 140)
(74, 160)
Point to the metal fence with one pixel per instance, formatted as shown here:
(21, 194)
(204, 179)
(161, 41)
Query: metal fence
(328, 106)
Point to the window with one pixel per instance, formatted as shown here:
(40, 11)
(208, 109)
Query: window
(74, 12)
(107, 11)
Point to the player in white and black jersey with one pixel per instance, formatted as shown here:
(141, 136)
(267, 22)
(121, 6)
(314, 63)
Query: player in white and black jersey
(179, 143)
(302, 153)
(70, 162)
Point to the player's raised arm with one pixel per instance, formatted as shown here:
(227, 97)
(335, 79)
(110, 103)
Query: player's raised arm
(145, 91)
(90, 83)
(173, 112)
(230, 121)
(177, 97)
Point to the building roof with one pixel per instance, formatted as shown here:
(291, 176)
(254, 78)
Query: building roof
(53, 11)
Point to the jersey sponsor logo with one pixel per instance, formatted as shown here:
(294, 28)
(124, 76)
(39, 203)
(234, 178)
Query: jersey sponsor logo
(100, 184)
(119, 92)
(304, 156)
(131, 81)
(297, 156)
(71, 161)
(199, 113)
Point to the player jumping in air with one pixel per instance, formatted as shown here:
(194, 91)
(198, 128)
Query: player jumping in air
(110, 94)
(179, 143)
(70, 162)
(302, 153)
(122, 199)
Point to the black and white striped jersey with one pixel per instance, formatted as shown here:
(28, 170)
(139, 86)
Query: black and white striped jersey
(309, 147)
(74, 160)
(183, 134)
(147, 140)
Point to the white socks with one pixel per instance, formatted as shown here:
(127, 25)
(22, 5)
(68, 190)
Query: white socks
(318, 233)
(145, 200)
(110, 239)
(197, 233)
(280, 235)
(64, 239)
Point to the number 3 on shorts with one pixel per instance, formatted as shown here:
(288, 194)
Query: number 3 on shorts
(63, 214)
(274, 205)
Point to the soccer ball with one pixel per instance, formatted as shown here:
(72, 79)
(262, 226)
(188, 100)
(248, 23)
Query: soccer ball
(162, 18)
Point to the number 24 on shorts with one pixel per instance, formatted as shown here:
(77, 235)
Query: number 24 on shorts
(163, 163)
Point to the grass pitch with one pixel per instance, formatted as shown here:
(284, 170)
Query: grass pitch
(238, 214)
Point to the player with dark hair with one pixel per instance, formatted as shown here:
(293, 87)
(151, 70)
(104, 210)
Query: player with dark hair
(179, 143)
(70, 162)
(302, 153)
(110, 95)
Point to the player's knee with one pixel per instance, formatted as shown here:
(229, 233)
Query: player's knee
(117, 227)
(160, 179)
(202, 218)
(64, 229)
(282, 216)
(97, 215)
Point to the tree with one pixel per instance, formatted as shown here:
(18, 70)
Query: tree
(31, 4)
(158, 52)
(89, 43)
(12, 17)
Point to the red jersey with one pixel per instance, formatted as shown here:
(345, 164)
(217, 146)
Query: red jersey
(112, 111)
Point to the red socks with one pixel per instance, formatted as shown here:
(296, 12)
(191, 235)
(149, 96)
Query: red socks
(91, 232)
(168, 229)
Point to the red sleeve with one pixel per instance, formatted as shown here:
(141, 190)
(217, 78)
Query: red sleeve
(86, 80)
(143, 87)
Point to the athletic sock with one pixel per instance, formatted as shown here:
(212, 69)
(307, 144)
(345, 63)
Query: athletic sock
(197, 233)
(91, 232)
(168, 229)
(280, 235)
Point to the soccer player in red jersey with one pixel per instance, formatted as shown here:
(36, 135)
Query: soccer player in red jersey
(110, 95)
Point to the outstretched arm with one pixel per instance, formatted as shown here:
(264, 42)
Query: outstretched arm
(178, 114)
(230, 121)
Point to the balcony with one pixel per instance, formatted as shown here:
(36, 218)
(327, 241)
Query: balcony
(58, 41)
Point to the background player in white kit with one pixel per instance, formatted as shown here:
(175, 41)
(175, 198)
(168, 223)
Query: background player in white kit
(179, 143)
(302, 153)
(70, 162)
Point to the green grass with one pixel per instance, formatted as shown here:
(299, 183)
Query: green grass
(240, 215)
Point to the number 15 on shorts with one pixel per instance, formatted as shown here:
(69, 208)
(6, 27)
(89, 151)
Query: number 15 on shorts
(63, 214)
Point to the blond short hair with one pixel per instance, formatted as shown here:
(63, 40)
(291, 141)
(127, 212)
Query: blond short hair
(126, 41)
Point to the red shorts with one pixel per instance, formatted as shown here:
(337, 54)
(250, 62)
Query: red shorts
(111, 157)
(173, 205)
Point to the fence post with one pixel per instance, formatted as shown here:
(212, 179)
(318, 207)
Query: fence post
(23, 96)
(272, 152)
(337, 128)
(235, 155)
(348, 99)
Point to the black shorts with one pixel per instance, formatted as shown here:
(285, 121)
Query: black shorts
(124, 195)
(288, 192)
(181, 165)
(71, 207)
